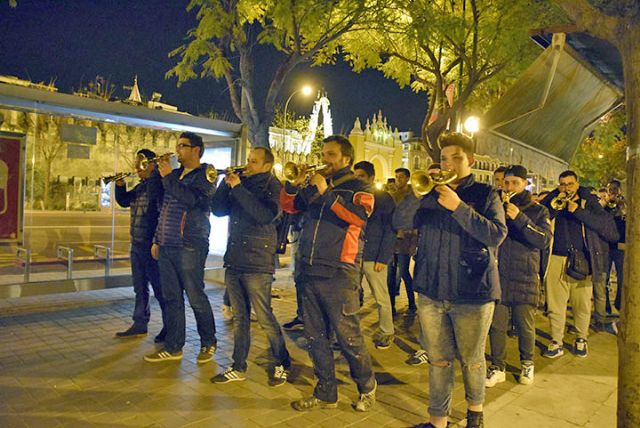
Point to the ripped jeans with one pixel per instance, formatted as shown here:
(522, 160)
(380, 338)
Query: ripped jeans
(332, 304)
(453, 330)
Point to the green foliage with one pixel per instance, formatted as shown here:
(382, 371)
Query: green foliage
(602, 155)
(478, 46)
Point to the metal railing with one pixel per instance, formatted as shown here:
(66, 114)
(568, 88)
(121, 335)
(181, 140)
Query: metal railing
(102, 252)
(66, 253)
(24, 255)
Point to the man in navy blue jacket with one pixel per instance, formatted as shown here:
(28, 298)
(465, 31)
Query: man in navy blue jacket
(460, 227)
(181, 245)
(336, 207)
(252, 203)
(378, 249)
(144, 200)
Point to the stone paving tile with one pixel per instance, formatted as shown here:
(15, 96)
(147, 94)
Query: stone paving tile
(63, 367)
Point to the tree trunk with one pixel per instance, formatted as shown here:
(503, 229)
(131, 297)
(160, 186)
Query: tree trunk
(47, 184)
(629, 337)
(258, 133)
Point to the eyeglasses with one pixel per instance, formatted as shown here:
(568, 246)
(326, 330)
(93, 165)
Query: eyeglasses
(180, 146)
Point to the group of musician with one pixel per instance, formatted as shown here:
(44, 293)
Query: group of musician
(481, 254)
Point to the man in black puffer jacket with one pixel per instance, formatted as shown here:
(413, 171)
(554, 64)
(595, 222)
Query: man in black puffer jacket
(519, 267)
(460, 227)
(252, 203)
(336, 207)
(144, 200)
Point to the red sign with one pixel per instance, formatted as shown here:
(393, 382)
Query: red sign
(11, 179)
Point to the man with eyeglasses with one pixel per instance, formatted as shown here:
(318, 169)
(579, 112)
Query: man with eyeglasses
(580, 231)
(181, 246)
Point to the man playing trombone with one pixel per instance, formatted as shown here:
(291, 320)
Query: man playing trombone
(144, 200)
(252, 203)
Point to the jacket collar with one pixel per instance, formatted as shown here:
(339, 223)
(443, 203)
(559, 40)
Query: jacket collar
(466, 181)
(256, 178)
(521, 199)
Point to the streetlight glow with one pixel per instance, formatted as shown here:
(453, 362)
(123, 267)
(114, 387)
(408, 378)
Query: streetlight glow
(307, 90)
(472, 124)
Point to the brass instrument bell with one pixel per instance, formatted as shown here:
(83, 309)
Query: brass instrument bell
(559, 203)
(142, 162)
(293, 171)
(212, 173)
(423, 183)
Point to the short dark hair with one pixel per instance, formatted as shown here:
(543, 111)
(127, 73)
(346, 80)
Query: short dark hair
(195, 140)
(346, 148)
(602, 190)
(146, 153)
(615, 182)
(501, 169)
(568, 173)
(434, 166)
(405, 171)
(268, 154)
(367, 167)
(457, 139)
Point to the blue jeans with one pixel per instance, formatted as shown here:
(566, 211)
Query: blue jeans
(144, 270)
(332, 304)
(616, 257)
(182, 270)
(399, 270)
(453, 330)
(247, 290)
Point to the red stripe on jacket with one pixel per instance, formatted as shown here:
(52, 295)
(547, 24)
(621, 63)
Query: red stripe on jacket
(287, 202)
(351, 244)
(366, 200)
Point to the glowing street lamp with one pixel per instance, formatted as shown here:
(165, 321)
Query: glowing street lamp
(306, 91)
(472, 124)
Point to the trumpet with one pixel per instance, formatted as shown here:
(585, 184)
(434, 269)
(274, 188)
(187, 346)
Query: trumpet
(143, 161)
(116, 177)
(506, 197)
(560, 202)
(423, 183)
(212, 173)
(293, 172)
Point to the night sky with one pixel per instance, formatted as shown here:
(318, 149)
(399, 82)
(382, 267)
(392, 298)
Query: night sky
(72, 41)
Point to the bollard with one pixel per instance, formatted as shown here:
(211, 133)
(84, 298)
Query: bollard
(66, 253)
(104, 252)
(24, 255)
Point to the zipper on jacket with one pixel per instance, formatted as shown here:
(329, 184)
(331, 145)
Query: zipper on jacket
(534, 229)
(315, 234)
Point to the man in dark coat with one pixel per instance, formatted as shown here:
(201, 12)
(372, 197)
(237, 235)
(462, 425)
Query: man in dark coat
(519, 267)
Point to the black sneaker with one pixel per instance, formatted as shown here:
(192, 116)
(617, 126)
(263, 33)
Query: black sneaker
(132, 331)
(279, 376)
(294, 324)
(160, 337)
(162, 356)
(580, 348)
(475, 419)
(384, 341)
(417, 358)
(206, 354)
(229, 375)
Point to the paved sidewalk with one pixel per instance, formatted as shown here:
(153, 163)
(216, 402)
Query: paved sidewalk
(61, 366)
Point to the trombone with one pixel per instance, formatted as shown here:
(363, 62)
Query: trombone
(212, 173)
(293, 171)
(116, 177)
(560, 202)
(423, 183)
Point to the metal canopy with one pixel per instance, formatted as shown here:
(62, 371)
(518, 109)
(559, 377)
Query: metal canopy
(556, 101)
(37, 100)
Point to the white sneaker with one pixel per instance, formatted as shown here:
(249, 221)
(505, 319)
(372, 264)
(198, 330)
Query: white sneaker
(494, 376)
(526, 375)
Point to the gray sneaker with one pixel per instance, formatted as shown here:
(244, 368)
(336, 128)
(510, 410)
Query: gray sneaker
(162, 356)
(312, 403)
(367, 400)
(206, 354)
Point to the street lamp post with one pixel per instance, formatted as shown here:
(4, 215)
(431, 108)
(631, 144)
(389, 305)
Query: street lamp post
(306, 91)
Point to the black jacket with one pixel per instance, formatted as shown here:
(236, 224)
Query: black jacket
(379, 236)
(145, 200)
(519, 254)
(457, 256)
(252, 207)
(599, 226)
(333, 223)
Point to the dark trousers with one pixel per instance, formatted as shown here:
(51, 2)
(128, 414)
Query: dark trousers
(332, 304)
(182, 270)
(144, 270)
(616, 257)
(247, 290)
(399, 270)
(524, 321)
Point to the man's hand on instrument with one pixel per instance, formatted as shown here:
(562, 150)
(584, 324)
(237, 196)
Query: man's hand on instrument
(511, 210)
(447, 197)
(320, 182)
(232, 180)
(164, 167)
